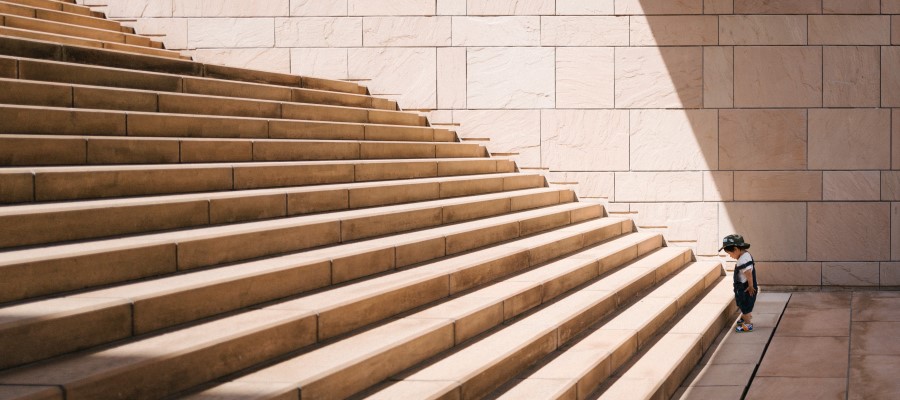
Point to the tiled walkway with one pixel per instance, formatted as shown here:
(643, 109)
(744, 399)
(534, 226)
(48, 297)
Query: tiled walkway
(828, 345)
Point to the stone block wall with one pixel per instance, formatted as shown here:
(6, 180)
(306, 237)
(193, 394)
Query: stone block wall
(778, 119)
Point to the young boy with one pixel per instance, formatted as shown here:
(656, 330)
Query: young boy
(745, 286)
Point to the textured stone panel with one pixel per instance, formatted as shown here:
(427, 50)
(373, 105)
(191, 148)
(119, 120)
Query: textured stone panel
(851, 186)
(674, 30)
(762, 30)
(275, 60)
(850, 273)
(579, 140)
(409, 72)
(391, 7)
(510, 131)
(718, 77)
(648, 77)
(775, 76)
(849, 29)
(584, 31)
(895, 141)
(496, 31)
(139, 8)
(510, 7)
(849, 139)
(777, 231)
(890, 6)
(324, 63)
(318, 32)
(890, 76)
(585, 77)
(718, 6)
(588, 185)
(718, 186)
(231, 8)
(849, 231)
(895, 29)
(895, 231)
(852, 76)
(451, 78)
(762, 139)
(789, 273)
(451, 7)
(510, 77)
(778, 7)
(682, 221)
(650, 7)
(777, 185)
(318, 8)
(406, 31)
(585, 7)
(890, 273)
(230, 32)
(890, 185)
(672, 140)
(659, 186)
(851, 7)
(174, 31)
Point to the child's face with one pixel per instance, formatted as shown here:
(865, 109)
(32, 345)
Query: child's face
(733, 252)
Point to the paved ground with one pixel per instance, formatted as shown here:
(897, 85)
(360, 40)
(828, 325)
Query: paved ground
(827, 345)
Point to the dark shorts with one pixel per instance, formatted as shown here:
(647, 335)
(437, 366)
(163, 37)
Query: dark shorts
(743, 299)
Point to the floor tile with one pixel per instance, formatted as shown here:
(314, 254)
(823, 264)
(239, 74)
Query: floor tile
(814, 357)
(876, 306)
(820, 300)
(721, 375)
(814, 322)
(709, 393)
(874, 377)
(875, 338)
(797, 388)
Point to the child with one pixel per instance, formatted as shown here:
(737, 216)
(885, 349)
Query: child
(745, 286)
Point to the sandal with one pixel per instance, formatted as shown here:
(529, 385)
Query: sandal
(744, 328)
(740, 321)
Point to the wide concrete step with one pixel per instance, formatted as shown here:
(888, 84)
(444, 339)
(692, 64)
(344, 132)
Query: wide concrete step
(32, 272)
(57, 222)
(578, 369)
(79, 41)
(40, 184)
(80, 74)
(476, 370)
(42, 13)
(351, 365)
(31, 120)
(68, 7)
(157, 366)
(49, 150)
(69, 29)
(657, 372)
(47, 94)
(42, 50)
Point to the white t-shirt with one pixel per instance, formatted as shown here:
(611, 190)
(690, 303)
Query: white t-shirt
(743, 259)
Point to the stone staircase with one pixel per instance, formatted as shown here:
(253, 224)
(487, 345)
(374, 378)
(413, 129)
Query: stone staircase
(174, 229)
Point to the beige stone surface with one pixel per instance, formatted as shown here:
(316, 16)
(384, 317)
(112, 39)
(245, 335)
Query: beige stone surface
(320, 62)
(851, 76)
(849, 231)
(718, 77)
(674, 30)
(876, 306)
(777, 185)
(820, 300)
(650, 7)
(895, 231)
(174, 31)
(889, 273)
(673, 140)
(391, 7)
(496, 31)
(849, 30)
(895, 30)
(683, 221)
(649, 77)
(851, 7)
(755, 221)
(585, 7)
(762, 30)
(764, 388)
(890, 185)
(265, 59)
(812, 322)
(861, 136)
(873, 376)
(511, 131)
(778, 7)
(316, 8)
(585, 77)
(588, 185)
(576, 140)
(777, 76)
(141, 8)
(584, 31)
(451, 7)
(319, 32)
(229, 8)
(808, 357)
(850, 273)
(890, 76)
(762, 139)
(851, 185)
(451, 78)
(658, 186)
(407, 72)
(510, 78)
(230, 32)
(890, 6)
(718, 186)
(789, 273)
(510, 7)
(404, 31)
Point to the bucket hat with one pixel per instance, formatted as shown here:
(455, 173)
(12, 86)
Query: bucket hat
(734, 240)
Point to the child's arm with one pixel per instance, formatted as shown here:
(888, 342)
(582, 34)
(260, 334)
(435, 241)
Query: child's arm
(750, 289)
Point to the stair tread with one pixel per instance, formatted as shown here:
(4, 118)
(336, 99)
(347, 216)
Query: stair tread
(73, 18)
(55, 5)
(70, 29)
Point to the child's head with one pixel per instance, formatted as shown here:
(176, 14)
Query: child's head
(734, 245)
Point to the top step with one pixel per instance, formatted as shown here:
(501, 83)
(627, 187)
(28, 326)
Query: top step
(55, 5)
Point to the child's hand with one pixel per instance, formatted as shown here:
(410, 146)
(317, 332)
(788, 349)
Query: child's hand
(750, 290)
